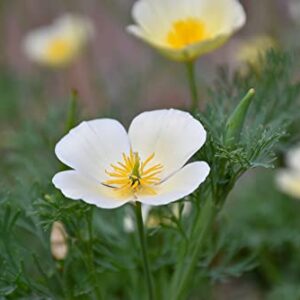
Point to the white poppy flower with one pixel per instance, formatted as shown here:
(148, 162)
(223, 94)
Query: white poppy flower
(111, 167)
(288, 180)
(186, 29)
(59, 43)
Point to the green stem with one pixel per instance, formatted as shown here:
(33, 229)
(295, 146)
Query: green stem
(184, 271)
(71, 118)
(190, 67)
(72, 111)
(141, 231)
(269, 269)
(91, 255)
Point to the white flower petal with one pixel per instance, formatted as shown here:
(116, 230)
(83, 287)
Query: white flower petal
(79, 187)
(36, 41)
(289, 182)
(155, 17)
(92, 146)
(173, 135)
(181, 184)
(77, 28)
(205, 47)
(223, 16)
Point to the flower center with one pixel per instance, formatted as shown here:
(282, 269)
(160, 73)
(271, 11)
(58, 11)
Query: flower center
(58, 50)
(133, 176)
(186, 32)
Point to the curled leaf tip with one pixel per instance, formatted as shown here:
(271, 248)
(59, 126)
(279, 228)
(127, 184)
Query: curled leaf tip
(251, 92)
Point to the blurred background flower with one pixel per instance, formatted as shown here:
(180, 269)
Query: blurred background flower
(251, 50)
(58, 44)
(294, 10)
(288, 179)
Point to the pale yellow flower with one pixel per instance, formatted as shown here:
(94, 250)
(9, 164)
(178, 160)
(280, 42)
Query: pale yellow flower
(60, 43)
(250, 50)
(58, 241)
(288, 180)
(149, 164)
(186, 29)
(294, 10)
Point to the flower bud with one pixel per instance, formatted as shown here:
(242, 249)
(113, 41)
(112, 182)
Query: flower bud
(236, 121)
(58, 241)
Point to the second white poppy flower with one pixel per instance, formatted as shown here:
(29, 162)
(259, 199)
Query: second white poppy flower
(186, 29)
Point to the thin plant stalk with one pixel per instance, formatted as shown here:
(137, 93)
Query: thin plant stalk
(184, 271)
(191, 75)
(72, 111)
(71, 118)
(91, 255)
(143, 243)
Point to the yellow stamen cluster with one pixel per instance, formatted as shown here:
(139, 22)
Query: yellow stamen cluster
(186, 32)
(131, 176)
(59, 50)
